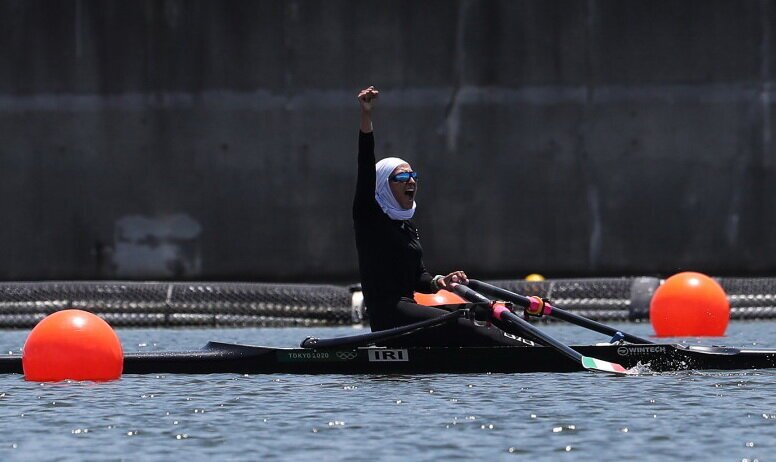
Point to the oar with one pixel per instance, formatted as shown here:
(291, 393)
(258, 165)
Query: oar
(541, 307)
(503, 314)
(370, 338)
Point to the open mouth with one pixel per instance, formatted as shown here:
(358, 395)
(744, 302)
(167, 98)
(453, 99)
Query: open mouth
(410, 193)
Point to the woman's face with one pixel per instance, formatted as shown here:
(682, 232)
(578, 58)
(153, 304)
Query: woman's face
(404, 192)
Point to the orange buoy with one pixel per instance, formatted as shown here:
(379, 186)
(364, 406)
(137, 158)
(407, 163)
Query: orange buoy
(442, 297)
(689, 304)
(72, 344)
(534, 277)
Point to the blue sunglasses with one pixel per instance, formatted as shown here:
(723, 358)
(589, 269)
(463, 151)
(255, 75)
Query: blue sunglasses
(403, 177)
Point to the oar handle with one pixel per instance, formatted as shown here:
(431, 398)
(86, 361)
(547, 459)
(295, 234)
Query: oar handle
(554, 311)
(503, 294)
(469, 294)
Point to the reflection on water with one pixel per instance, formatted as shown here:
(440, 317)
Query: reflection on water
(683, 415)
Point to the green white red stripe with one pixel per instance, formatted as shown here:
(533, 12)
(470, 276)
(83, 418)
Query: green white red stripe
(604, 366)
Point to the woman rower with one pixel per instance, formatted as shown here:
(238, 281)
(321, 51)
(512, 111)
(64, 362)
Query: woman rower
(390, 256)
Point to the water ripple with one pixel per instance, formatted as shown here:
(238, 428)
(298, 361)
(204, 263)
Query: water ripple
(652, 417)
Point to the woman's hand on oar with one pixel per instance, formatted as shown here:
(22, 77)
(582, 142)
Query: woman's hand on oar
(502, 313)
(456, 277)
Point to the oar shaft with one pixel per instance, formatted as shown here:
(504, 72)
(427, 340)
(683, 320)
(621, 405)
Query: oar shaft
(501, 294)
(594, 325)
(553, 311)
(522, 325)
(373, 337)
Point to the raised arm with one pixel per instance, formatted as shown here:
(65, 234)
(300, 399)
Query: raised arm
(365, 184)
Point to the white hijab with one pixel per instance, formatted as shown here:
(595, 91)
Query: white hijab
(383, 193)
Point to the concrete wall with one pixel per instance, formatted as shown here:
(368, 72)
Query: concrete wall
(204, 139)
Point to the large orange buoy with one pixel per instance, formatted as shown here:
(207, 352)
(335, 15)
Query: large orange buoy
(72, 344)
(442, 297)
(689, 304)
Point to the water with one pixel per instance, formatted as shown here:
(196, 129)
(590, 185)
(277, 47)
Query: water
(579, 416)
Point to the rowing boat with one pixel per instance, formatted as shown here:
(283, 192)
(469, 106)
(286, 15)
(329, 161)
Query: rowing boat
(361, 353)
(218, 357)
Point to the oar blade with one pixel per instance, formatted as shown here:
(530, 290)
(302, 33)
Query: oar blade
(599, 365)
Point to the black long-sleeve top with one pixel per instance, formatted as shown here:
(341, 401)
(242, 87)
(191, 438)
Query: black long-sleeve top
(390, 257)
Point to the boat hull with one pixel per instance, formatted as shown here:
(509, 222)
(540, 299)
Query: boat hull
(243, 359)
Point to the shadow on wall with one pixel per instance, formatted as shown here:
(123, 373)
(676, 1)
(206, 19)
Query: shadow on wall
(162, 247)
